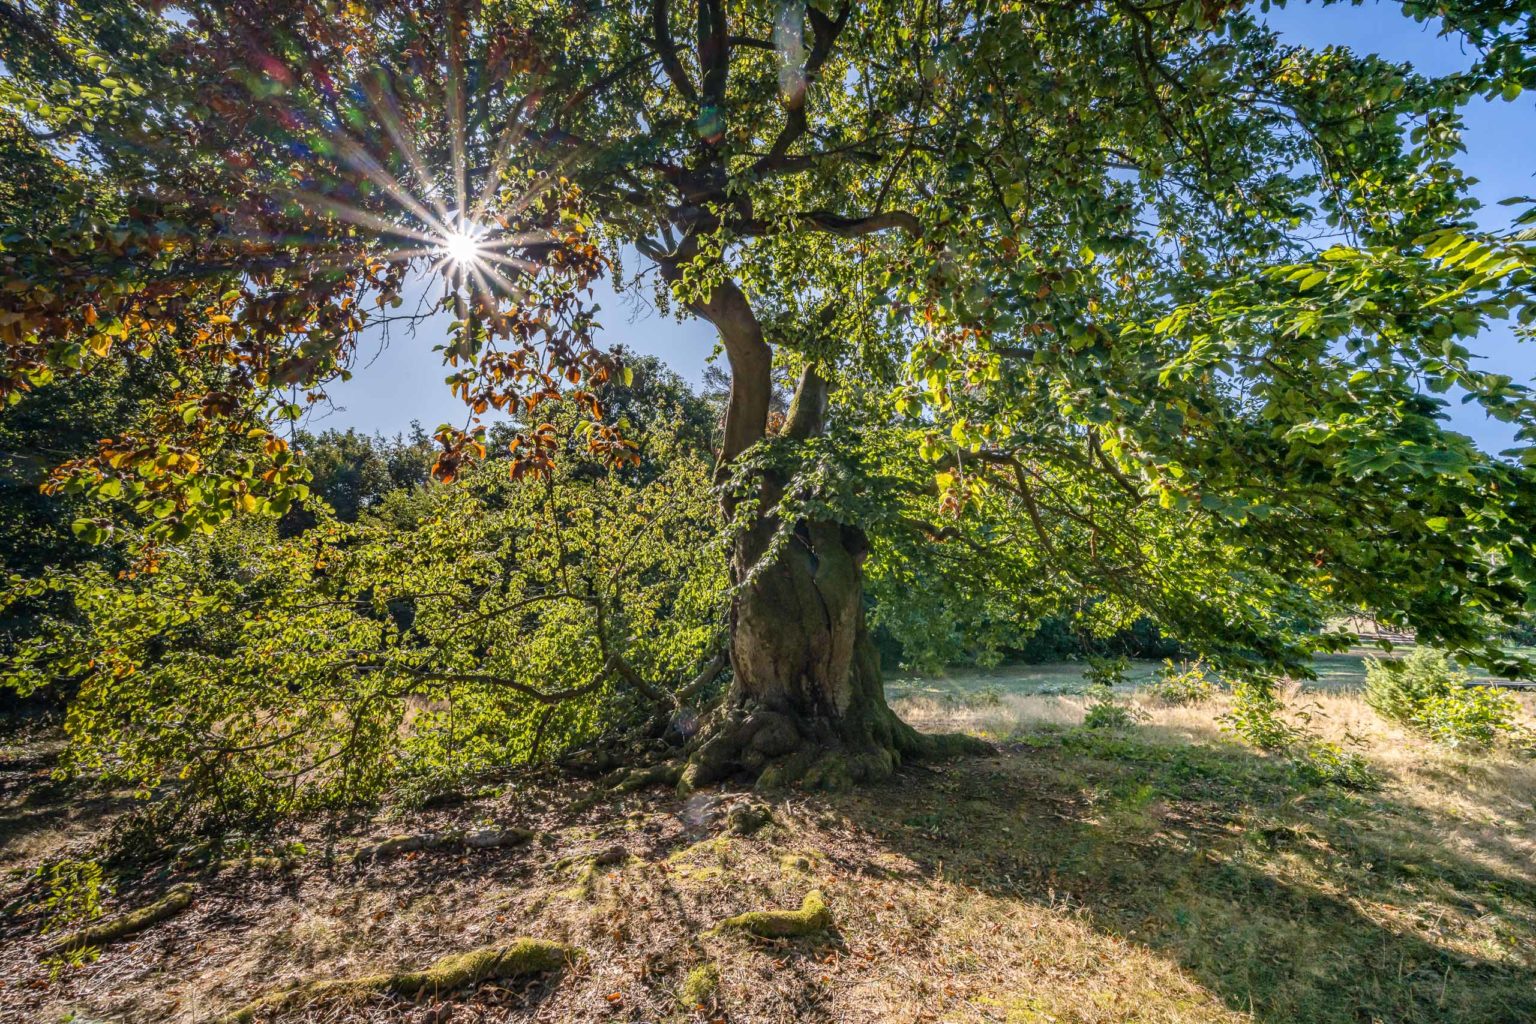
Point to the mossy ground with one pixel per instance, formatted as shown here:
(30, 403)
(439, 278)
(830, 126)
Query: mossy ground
(1161, 874)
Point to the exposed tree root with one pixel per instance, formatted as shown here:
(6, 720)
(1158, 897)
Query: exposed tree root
(481, 839)
(255, 864)
(124, 925)
(664, 774)
(780, 751)
(516, 959)
(812, 917)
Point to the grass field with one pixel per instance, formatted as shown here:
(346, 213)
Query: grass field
(1342, 672)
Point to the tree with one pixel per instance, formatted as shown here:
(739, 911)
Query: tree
(1046, 275)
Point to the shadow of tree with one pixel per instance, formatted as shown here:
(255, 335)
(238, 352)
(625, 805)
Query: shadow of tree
(1291, 904)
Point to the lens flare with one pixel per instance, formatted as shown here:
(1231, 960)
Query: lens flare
(462, 248)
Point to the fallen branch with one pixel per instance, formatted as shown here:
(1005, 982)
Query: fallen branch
(124, 925)
(516, 959)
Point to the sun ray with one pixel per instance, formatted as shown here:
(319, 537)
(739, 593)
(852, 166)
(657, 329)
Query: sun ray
(384, 107)
(366, 164)
(360, 218)
(509, 261)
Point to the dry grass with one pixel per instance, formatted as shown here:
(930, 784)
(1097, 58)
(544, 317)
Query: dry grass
(1163, 874)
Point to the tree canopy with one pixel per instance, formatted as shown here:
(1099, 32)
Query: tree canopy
(1121, 301)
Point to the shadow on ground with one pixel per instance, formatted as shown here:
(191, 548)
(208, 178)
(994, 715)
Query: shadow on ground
(1289, 904)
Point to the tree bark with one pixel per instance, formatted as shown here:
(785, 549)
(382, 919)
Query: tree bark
(806, 704)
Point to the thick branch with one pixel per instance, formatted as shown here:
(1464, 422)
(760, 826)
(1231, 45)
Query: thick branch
(853, 227)
(714, 51)
(667, 51)
(727, 308)
(824, 32)
(808, 411)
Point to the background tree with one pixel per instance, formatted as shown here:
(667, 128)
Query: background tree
(1046, 277)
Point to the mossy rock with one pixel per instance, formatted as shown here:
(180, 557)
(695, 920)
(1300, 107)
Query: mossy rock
(124, 925)
(517, 959)
(699, 986)
(812, 917)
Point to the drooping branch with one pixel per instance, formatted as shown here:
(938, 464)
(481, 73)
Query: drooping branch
(705, 676)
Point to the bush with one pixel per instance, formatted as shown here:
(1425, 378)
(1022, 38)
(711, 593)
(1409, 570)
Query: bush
(1255, 716)
(1106, 713)
(467, 630)
(1182, 686)
(1426, 693)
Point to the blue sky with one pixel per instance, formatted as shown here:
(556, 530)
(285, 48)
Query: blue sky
(402, 381)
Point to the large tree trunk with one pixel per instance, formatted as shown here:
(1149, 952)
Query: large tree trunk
(806, 704)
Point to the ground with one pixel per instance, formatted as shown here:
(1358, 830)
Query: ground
(1162, 873)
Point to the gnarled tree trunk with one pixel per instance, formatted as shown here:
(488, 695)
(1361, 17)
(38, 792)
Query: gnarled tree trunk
(806, 704)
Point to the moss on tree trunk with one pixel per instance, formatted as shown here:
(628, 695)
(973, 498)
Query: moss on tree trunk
(807, 705)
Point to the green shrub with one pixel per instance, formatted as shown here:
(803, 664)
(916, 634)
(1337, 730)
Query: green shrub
(1428, 694)
(1106, 713)
(1255, 717)
(1321, 763)
(1398, 690)
(1104, 710)
(1181, 686)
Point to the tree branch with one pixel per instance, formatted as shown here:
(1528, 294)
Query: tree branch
(665, 49)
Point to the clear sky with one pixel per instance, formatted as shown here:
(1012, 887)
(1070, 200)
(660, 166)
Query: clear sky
(402, 381)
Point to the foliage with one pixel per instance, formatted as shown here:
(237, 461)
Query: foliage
(1099, 321)
(352, 472)
(74, 890)
(1105, 712)
(1106, 671)
(1425, 692)
(1182, 684)
(1256, 716)
(466, 627)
